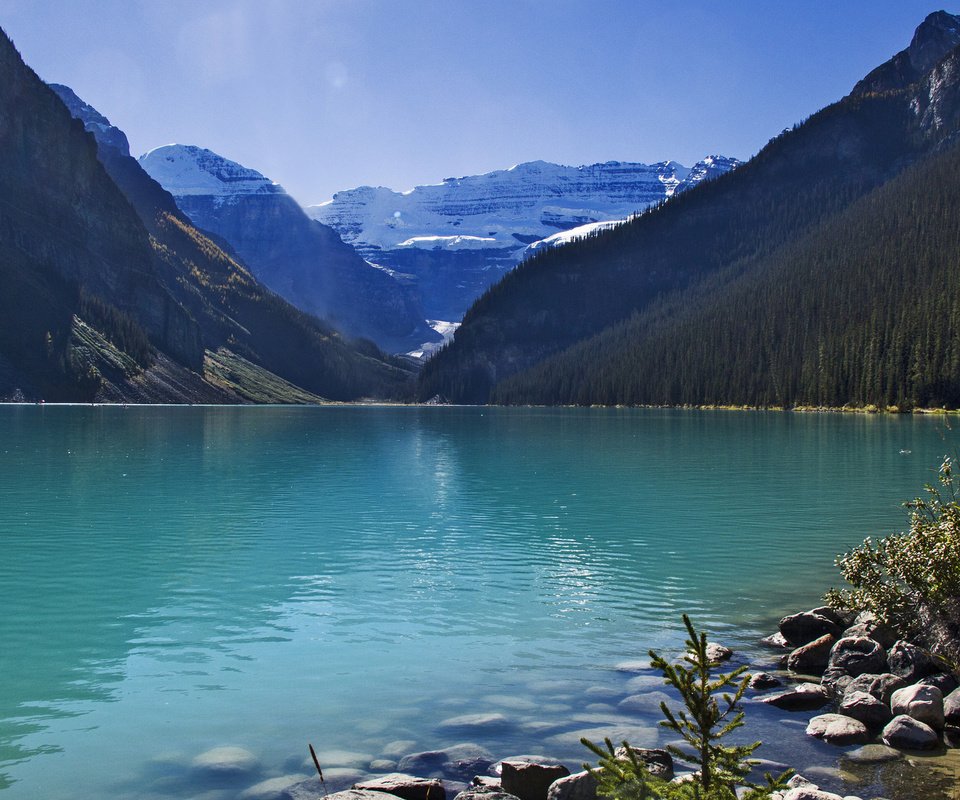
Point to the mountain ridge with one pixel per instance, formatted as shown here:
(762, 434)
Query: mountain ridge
(709, 236)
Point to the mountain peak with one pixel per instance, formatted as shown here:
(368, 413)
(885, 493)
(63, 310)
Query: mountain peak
(189, 170)
(94, 122)
(936, 36)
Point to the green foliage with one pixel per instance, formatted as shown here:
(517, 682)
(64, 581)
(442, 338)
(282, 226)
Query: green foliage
(703, 723)
(903, 577)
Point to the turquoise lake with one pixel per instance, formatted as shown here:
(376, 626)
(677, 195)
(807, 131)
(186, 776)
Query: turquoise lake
(178, 579)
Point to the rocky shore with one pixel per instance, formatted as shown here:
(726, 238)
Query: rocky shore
(882, 701)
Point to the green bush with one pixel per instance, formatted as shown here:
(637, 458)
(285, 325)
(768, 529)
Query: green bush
(911, 578)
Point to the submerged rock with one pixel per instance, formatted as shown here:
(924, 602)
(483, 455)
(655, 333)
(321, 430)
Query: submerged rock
(272, 788)
(873, 754)
(803, 697)
(227, 761)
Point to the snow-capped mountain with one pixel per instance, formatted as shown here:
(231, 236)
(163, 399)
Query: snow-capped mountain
(460, 236)
(303, 260)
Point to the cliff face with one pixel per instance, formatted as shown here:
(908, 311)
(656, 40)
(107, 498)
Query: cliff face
(460, 236)
(304, 261)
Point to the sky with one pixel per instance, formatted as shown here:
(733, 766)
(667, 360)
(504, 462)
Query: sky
(323, 95)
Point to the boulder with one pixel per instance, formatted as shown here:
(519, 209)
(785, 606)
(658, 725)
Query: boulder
(907, 733)
(272, 788)
(866, 708)
(944, 681)
(838, 729)
(923, 703)
(717, 652)
(482, 793)
(530, 781)
(951, 708)
(658, 761)
(869, 624)
(813, 656)
(810, 793)
(458, 762)
(803, 628)
(227, 761)
(497, 768)
(487, 782)
(880, 686)
(873, 754)
(406, 786)
(836, 679)
(777, 641)
(857, 655)
(579, 786)
(909, 661)
(803, 697)
(763, 680)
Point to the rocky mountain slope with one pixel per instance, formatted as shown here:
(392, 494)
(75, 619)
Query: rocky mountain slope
(108, 293)
(302, 260)
(462, 235)
(687, 303)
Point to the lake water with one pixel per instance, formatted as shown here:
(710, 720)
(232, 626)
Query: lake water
(178, 579)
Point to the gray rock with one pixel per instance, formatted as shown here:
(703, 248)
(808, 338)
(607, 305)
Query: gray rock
(951, 708)
(481, 793)
(857, 655)
(227, 761)
(812, 656)
(869, 624)
(923, 703)
(873, 754)
(406, 786)
(486, 782)
(803, 697)
(909, 661)
(717, 652)
(459, 762)
(484, 721)
(579, 786)
(803, 628)
(907, 733)
(776, 640)
(529, 781)
(763, 680)
(644, 703)
(272, 788)
(798, 780)
(308, 791)
(944, 681)
(810, 793)
(497, 768)
(866, 708)
(880, 686)
(838, 729)
(658, 761)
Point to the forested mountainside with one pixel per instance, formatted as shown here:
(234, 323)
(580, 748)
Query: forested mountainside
(108, 293)
(636, 284)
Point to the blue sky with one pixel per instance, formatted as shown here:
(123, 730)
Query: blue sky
(322, 95)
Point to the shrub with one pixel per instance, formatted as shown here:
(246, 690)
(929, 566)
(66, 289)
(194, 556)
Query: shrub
(910, 579)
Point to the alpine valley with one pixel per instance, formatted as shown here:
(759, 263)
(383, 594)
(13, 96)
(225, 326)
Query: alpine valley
(823, 272)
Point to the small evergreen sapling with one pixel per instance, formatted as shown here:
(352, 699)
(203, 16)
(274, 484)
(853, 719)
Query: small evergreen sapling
(702, 723)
